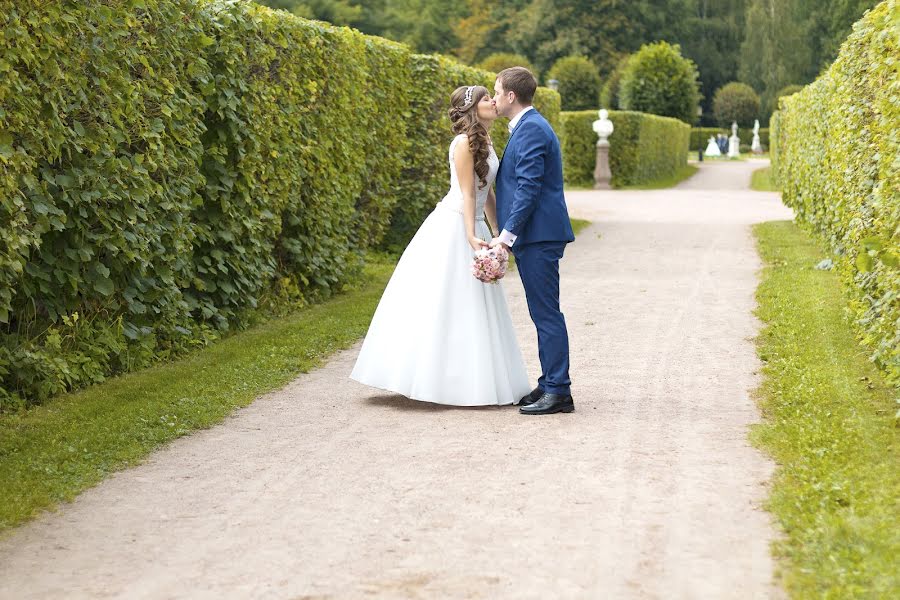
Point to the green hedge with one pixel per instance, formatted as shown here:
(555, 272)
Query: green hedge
(745, 135)
(169, 165)
(643, 148)
(837, 163)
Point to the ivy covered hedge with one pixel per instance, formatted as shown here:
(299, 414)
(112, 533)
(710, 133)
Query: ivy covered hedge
(166, 166)
(838, 162)
(643, 148)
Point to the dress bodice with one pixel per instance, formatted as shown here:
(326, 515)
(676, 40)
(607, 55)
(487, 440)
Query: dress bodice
(454, 198)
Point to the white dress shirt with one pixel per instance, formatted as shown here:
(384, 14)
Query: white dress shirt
(505, 236)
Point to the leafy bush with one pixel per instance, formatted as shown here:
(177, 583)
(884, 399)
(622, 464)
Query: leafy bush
(658, 80)
(643, 148)
(736, 102)
(788, 90)
(579, 82)
(836, 160)
(503, 60)
(609, 94)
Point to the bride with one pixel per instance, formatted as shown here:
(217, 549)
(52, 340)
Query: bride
(440, 335)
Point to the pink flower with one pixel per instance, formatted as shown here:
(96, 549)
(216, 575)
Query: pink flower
(489, 264)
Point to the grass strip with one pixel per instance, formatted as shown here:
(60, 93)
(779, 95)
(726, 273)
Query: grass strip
(830, 422)
(761, 181)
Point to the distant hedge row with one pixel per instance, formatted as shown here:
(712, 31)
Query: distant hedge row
(744, 134)
(837, 157)
(166, 165)
(643, 147)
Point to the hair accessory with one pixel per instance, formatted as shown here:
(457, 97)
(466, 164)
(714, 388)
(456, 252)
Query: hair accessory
(468, 97)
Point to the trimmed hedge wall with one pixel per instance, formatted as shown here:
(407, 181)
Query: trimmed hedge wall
(745, 135)
(643, 148)
(838, 162)
(166, 166)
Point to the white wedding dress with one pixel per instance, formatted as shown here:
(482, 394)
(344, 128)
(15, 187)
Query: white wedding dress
(440, 335)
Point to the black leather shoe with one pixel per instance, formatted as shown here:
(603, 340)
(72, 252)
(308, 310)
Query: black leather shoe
(532, 397)
(549, 404)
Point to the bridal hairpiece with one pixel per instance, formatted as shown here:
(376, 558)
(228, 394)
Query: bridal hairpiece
(468, 97)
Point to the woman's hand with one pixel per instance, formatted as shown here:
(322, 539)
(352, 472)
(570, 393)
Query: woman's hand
(477, 243)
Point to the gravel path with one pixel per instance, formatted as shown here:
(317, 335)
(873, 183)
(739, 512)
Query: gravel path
(328, 489)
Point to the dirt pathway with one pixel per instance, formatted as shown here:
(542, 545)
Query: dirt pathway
(327, 489)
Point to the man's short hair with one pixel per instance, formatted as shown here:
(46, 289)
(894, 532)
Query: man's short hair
(518, 80)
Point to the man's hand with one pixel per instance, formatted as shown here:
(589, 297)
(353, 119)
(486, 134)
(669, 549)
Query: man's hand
(496, 242)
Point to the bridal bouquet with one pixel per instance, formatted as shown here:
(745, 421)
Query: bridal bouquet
(489, 264)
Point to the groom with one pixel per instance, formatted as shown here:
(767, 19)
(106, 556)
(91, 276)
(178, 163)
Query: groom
(532, 211)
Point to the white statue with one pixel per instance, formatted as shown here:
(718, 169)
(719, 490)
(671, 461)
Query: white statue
(756, 147)
(712, 149)
(734, 143)
(603, 127)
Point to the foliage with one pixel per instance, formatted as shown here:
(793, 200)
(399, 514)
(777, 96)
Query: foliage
(765, 43)
(836, 160)
(579, 82)
(643, 148)
(829, 422)
(658, 80)
(609, 93)
(503, 60)
(103, 142)
(791, 41)
(788, 90)
(736, 102)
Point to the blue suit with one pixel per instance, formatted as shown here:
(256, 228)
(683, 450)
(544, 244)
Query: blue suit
(531, 205)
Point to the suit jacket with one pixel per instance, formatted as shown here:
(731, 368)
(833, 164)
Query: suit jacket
(530, 200)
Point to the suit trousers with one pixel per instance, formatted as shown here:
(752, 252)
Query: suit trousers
(538, 265)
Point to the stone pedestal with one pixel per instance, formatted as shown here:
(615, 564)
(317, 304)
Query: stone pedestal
(602, 174)
(734, 147)
(734, 143)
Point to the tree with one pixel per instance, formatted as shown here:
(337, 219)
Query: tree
(339, 12)
(787, 90)
(710, 34)
(609, 94)
(790, 41)
(503, 60)
(602, 30)
(579, 82)
(659, 80)
(736, 102)
(473, 30)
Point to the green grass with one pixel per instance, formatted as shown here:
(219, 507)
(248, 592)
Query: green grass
(578, 225)
(51, 453)
(761, 181)
(829, 422)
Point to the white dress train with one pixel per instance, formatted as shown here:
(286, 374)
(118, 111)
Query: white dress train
(440, 335)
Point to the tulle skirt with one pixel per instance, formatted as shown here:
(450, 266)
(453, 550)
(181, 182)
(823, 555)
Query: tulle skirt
(440, 335)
